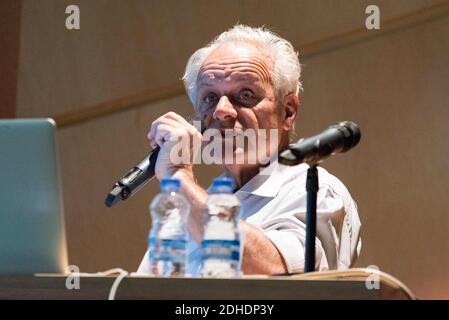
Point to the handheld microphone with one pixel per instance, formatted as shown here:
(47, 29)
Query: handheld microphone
(338, 138)
(138, 176)
(133, 180)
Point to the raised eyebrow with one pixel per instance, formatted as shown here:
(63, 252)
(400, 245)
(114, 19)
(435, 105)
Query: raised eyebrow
(254, 82)
(205, 93)
(247, 78)
(203, 84)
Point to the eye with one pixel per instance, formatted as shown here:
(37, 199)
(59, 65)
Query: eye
(210, 99)
(246, 94)
(246, 98)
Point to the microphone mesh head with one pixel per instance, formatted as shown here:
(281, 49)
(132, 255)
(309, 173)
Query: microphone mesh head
(352, 134)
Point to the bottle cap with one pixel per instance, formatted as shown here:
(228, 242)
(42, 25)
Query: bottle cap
(170, 185)
(222, 185)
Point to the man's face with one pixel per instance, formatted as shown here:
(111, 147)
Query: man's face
(235, 91)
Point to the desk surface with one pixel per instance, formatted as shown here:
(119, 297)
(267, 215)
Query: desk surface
(248, 288)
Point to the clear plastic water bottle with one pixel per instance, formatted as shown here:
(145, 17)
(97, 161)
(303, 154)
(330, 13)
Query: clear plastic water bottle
(220, 246)
(168, 235)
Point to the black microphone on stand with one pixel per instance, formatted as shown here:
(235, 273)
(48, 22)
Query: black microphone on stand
(339, 137)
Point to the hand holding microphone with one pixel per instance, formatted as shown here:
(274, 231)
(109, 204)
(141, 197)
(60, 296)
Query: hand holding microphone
(165, 132)
(179, 142)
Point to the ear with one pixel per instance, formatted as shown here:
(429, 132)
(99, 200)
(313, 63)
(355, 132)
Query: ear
(290, 103)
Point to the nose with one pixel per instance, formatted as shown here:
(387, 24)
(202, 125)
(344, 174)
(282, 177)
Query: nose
(224, 110)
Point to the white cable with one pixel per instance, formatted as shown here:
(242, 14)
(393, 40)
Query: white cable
(122, 274)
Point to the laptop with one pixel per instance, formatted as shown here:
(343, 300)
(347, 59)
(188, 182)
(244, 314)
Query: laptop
(32, 234)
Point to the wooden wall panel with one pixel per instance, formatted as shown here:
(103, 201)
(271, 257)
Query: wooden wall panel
(9, 56)
(396, 88)
(304, 22)
(122, 48)
(127, 47)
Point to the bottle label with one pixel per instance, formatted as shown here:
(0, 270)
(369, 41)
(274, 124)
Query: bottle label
(167, 249)
(220, 249)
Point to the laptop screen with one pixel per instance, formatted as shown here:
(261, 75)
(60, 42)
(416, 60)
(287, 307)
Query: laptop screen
(32, 235)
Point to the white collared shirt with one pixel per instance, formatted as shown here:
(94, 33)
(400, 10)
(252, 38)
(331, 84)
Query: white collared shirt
(277, 204)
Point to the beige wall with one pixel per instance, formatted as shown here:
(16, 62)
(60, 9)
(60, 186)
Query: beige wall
(9, 56)
(394, 86)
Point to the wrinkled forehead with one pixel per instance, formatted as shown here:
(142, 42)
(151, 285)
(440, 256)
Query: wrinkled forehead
(235, 62)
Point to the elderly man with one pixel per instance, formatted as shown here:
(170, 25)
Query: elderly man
(248, 78)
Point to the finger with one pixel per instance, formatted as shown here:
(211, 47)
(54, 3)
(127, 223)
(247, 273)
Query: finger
(173, 115)
(161, 120)
(167, 132)
(162, 131)
(153, 128)
(177, 117)
(169, 120)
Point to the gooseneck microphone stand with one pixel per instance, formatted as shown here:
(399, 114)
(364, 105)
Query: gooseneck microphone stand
(287, 157)
(338, 138)
(312, 191)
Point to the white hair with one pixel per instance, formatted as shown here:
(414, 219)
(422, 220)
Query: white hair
(286, 67)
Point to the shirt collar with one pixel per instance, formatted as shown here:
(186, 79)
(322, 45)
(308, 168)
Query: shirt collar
(266, 183)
